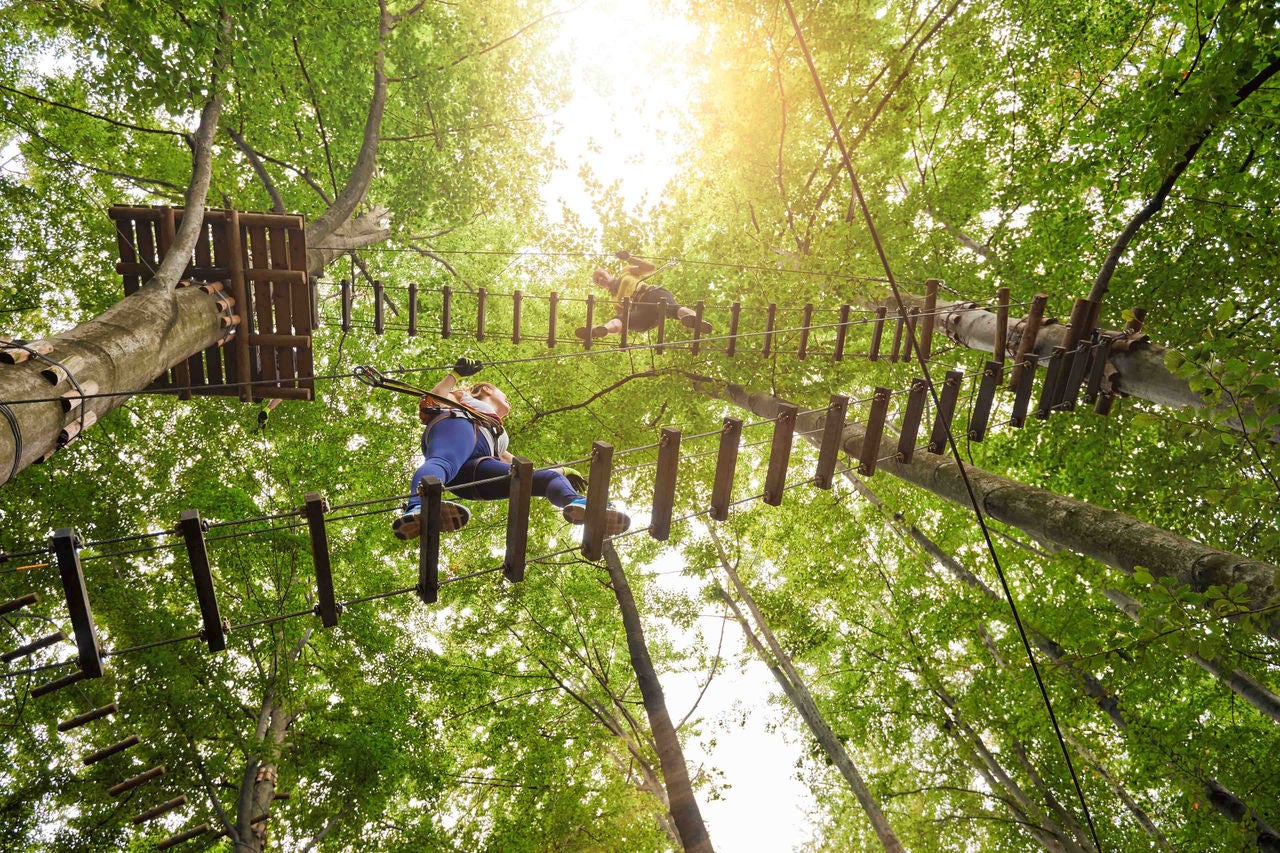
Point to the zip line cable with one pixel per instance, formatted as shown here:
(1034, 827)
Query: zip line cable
(955, 451)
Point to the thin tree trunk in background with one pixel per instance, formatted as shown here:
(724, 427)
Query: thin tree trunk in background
(684, 806)
(784, 671)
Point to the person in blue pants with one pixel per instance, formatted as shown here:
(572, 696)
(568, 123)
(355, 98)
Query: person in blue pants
(472, 459)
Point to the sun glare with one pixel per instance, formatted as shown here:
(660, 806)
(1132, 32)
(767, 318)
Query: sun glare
(628, 116)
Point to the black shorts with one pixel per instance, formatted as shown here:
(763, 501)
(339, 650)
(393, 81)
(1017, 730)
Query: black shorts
(650, 308)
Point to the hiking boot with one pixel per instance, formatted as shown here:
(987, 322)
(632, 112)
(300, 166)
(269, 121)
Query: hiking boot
(615, 520)
(452, 517)
(596, 332)
(690, 321)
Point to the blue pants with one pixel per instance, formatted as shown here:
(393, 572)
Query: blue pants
(457, 455)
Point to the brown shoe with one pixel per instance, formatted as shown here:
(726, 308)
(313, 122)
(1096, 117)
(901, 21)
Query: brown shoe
(690, 321)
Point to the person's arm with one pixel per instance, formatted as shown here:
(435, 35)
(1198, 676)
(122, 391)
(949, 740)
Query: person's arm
(507, 457)
(641, 267)
(450, 385)
(446, 386)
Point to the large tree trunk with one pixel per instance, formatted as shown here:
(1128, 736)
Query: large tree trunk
(1138, 370)
(1107, 536)
(792, 684)
(684, 806)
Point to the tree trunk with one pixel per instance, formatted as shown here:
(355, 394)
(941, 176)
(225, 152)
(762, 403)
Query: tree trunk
(1137, 371)
(1104, 535)
(784, 671)
(684, 806)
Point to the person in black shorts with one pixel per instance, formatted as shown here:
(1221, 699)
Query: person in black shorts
(649, 303)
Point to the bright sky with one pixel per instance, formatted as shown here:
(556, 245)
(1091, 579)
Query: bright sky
(633, 75)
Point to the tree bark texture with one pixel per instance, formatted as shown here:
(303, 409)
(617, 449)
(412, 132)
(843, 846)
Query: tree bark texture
(684, 806)
(1105, 535)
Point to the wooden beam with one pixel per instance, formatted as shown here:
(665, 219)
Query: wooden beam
(1047, 391)
(1079, 363)
(1002, 326)
(784, 426)
(1027, 341)
(66, 553)
(698, 308)
(926, 327)
(1097, 368)
(726, 463)
(379, 313)
(1022, 394)
(842, 332)
(554, 302)
(192, 530)
(108, 751)
(516, 299)
(19, 602)
(898, 326)
(518, 519)
(805, 322)
(626, 321)
(664, 484)
(734, 310)
(446, 311)
(482, 302)
(326, 605)
(431, 491)
(991, 376)
(344, 289)
(140, 779)
(240, 292)
(33, 646)
(591, 314)
(874, 430)
(183, 837)
(87, 717)
(832, 435)
(597, 500)
(946, 413)
(877, 334)
(771, 316)
(164, 808)
(59, 683)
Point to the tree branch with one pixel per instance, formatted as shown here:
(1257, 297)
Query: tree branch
(648, 374)
(277, 203)
(117, 123)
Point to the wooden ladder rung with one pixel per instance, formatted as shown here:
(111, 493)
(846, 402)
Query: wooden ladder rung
(874, 431)
(909, 433)
(1022, 392)
(108, 751)
(412, 298)
(591, 320)
(432, 492)
(771, 318)
(446, 311)
(482, 301)
(192, 530)
(726, 464)
(87, 717)
(67, 554)
(991, 376)
(516, 305)
(1000, 345)
(805, 323)
(1027, 341)
(379, 313)
(699, 308)
(33, 646)
(1075, 375)
(554, 302)
(1097, 368)
(597, 500)
(927, 321)
(59, 683)
(183, 837)
(734, 311)
(326, 604)
(945, 416)
(784, 427)
(877, 334)
(518, 501)
(344, 290)
(163, 808)
(141, 779)
(842, 332)
(664, 484)
(1048, 390)
(832, 436)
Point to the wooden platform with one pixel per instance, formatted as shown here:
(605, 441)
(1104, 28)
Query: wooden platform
(261, 260)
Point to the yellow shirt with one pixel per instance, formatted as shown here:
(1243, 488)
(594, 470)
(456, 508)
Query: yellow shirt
(629, 285)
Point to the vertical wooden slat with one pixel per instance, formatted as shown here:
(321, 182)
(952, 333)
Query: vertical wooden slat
(1027, 342)
(1002, 326)
(626, 321)
(551, 321)
(240, 291)
(1046, 405)
(125, 237)
(482, 300)
(1075, 376)
(263, 301)
(771, 316)
(698, 309)
(446, 311)
(832, 433)
(874, 431)
(67, 555)
(926, 326)
(734, 311)
(1075, 334)
(898, 326)
(991, 376)
(662, 333)
(842, 332)
(784, 426)
(664, 484)
(877, 334)
(597, 500)
(591, 316)
(431, 491)
(379, 314)
(313, 288)
(909, 338)
(726, 464)
(147, 246)
(805, 323)
(326, 605)
(1097, 368)
(1022, 394)
(344, 289)
(910, 431)
(945, 416)
(192, 530)
(302, 297)
(413, 309)
(518, 519)
(167, 228)
(516, 303)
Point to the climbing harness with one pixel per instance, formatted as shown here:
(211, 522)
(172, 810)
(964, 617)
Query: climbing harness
(433, 408)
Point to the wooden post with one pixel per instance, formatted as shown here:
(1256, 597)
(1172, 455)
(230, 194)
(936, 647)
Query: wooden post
(108, 751)
(945, 415)
(698, 308)
(379, 314)
(192, 530)
(551, 321)
(87, 717)
(67, 554)
(591, 312)
(240, 292)
(413, 309)
(626, 321)
(155, 811)
(664, 484)
(930, 307)
(518, 519)
(842, 332)
(482, 300)
(784, 426)
(874, 430)
(832, 433)
(446, 311)
(991, 376)
(344, 291)
(734, 310)
(726, 463)
(1002, 326)
(516, 299)
(910, 431)
(771, 315)
(431, 490)
(326, 606)
(1046, 405)
(806, 321)
(140, 779)
(877, 334)
(1027, 342)
(597, 500)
